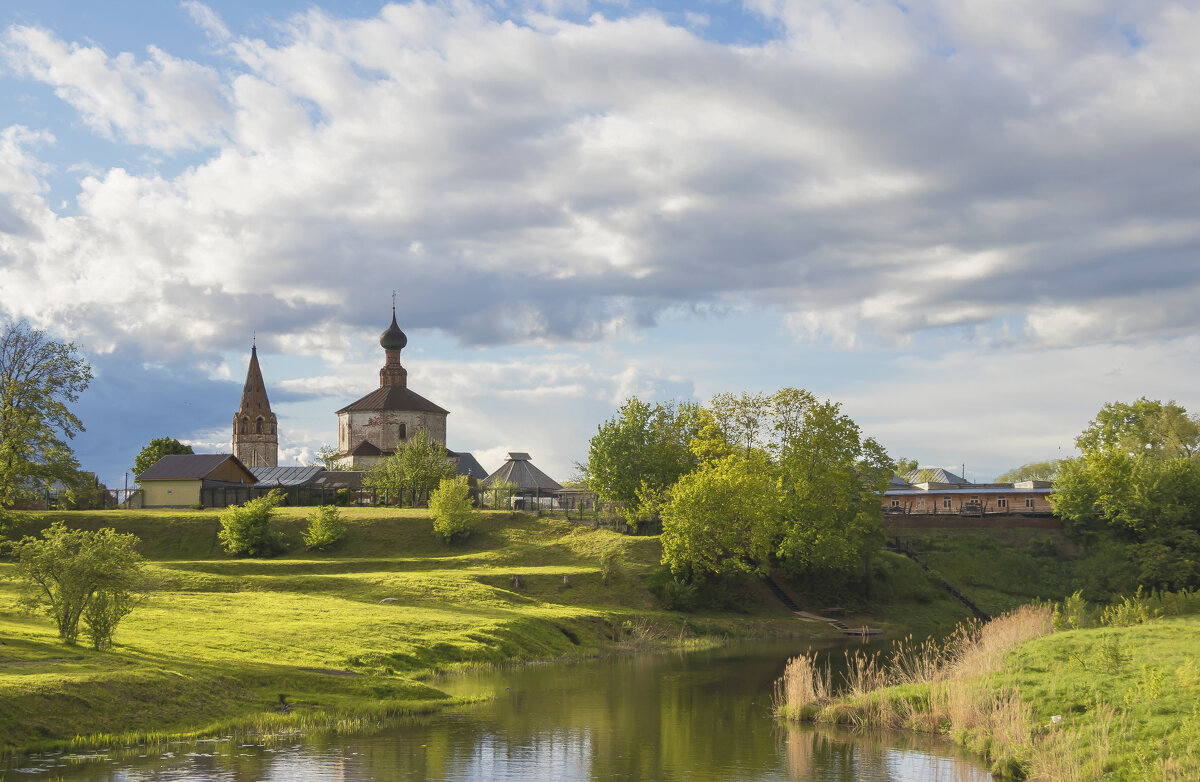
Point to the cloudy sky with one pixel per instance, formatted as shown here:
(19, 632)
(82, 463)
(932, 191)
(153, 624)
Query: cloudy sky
(972, 222)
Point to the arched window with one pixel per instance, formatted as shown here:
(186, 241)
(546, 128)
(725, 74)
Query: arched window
(403, 432)
(245, 425)
(258, 425)
(272, 427)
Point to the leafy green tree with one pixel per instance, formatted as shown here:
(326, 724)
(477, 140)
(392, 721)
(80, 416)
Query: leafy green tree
(642, 446)
(1034, 471)
(452, 509)
(246, 529)
(806, 468)
(417, 466)
(39, 380)
(325, 528)
(1162, 430)
(80, 574)
(330, 458)
(501, 491)
(832, 479)
(722, 518)
(904, 465)
(155, 450)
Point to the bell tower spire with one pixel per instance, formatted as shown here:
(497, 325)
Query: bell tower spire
(255, 433)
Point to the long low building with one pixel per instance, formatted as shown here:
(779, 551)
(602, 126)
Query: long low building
(938, 491)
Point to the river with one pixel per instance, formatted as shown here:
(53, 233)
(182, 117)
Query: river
(701, 716)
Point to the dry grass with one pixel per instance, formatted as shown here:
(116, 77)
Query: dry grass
(933, 686)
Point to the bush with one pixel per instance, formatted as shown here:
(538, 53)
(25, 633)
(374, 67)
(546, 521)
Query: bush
(452, 510)
(325, 527)
(80, 574)
(341, 497)
(246, 529)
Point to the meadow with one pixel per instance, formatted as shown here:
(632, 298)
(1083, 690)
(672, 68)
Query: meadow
(216, 641)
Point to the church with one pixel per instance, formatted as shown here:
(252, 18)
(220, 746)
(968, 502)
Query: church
(374, 426)
(369, 429)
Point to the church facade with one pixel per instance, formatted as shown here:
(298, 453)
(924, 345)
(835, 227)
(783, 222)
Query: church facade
(255, 429)
(374, 426)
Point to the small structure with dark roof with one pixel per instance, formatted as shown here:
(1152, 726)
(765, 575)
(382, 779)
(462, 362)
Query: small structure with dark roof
(529, 483)
(175, 480)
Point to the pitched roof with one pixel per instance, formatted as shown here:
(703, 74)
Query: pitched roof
(393, 398)
(189, 466)
(285, 476)
(366, 448)
(898, 483)
(935, 475)
(519, 471)
(467, 465)
(254, 392)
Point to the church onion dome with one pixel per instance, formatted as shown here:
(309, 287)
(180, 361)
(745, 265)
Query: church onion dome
(393, 338)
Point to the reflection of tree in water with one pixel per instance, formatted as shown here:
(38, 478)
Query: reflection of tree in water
(702, 716)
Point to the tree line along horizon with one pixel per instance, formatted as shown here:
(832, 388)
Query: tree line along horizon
(746, 484)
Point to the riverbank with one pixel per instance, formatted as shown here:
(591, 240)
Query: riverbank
(217, 641)
(1113, 703)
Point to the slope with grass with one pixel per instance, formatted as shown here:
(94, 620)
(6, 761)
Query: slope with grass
(1109, 703)
(216, 641)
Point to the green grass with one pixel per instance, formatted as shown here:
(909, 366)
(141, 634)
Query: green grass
(1000, 569)
(1128, 695)
(216, 640)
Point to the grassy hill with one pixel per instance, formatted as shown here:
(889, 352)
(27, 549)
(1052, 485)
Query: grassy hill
(217, 640)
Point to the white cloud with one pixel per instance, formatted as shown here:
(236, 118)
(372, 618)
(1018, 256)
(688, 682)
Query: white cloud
(161, 102)
(869, 172)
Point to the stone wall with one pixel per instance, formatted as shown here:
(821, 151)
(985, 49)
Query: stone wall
(382, 427)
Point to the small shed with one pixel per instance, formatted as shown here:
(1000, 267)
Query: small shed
(176, 480)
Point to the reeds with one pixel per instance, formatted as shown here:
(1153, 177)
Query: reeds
(932, 686)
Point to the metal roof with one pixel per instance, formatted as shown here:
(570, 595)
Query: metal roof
(520, 472)
(467, 465)
(393, 398)
(189, 466)
(934, 475)
(285, 476)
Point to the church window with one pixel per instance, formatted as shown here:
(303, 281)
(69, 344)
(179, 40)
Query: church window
(258, 426)
(245, 425)
(272, 427)
(403, 431)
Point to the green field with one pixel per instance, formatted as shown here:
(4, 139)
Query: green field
(217, 640)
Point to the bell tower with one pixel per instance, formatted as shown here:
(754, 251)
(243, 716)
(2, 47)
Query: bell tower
(255, 436)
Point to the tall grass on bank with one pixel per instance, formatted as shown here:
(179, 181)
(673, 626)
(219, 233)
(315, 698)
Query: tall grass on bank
(933, 686)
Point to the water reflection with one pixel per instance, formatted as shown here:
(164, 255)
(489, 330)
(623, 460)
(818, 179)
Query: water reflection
(699, 716)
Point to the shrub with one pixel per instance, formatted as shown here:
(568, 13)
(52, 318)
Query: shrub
(198, 506)
(325, 527)
(610, 564)
(246, 529)
(341, 497)
(452, 511)
(80, 574)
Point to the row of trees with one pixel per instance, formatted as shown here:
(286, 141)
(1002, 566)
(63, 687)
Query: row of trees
(747, 483)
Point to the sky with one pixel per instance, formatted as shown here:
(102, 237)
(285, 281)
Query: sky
(970, 222)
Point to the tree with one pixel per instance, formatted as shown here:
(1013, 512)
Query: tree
(722, 518)
(80, 574)
(1034, 471)
(1162, 430)
(155, 450)
(832, 480)
(452, 510)
(904, 465)
(417, 466)
(39, 380)
(325, 527)
(246, 529)
(330, 458)
(795, 485)
(643, 448)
